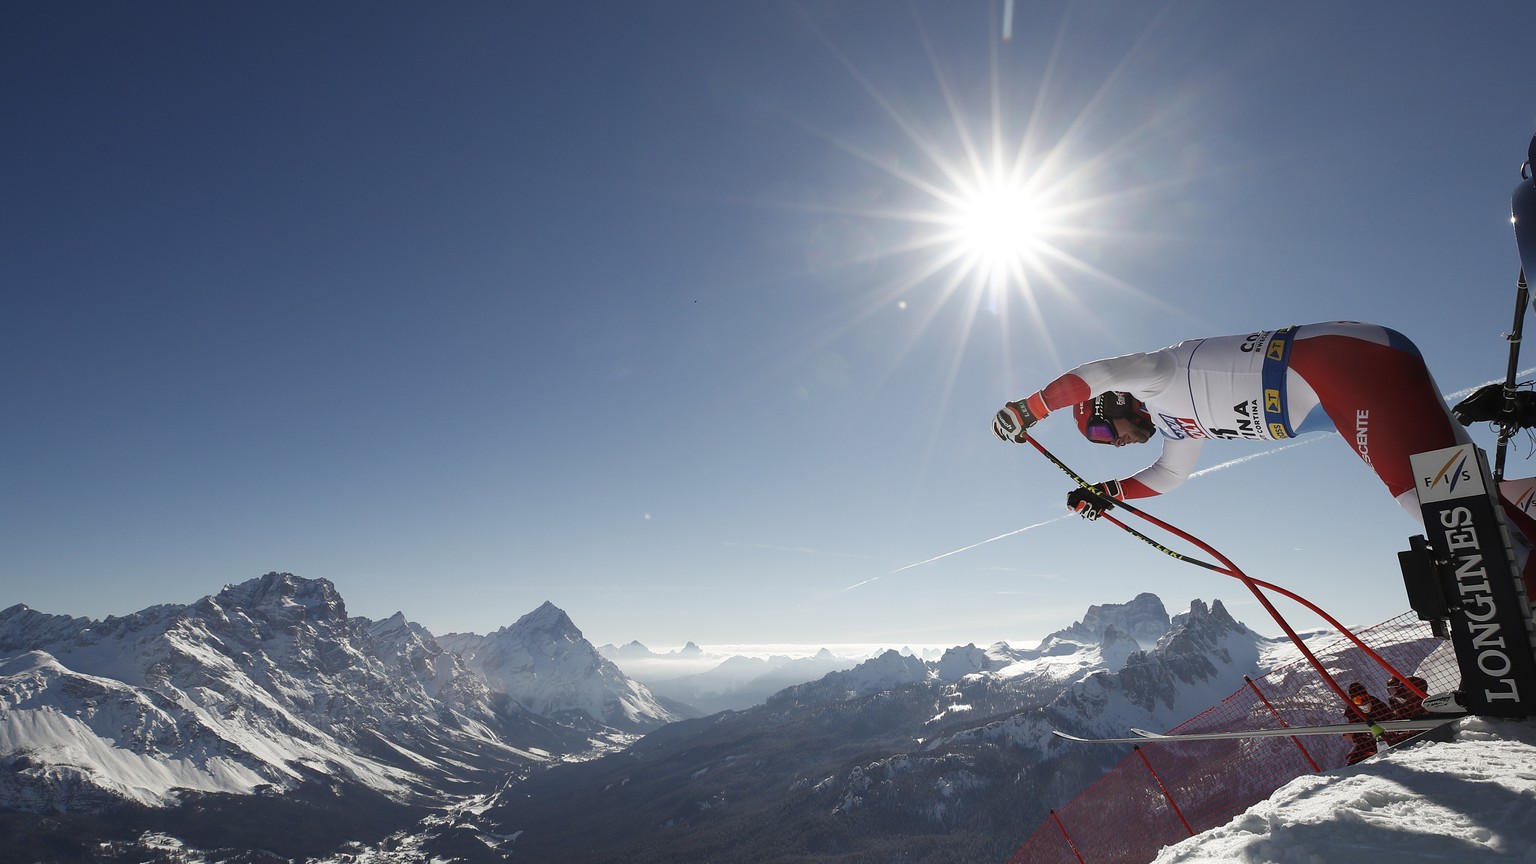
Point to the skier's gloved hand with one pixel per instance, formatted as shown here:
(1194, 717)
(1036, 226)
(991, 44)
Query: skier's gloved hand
(1093, 503)
(1013, 422)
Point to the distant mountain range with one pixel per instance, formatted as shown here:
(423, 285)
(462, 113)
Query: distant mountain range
(265, 718)
(733, 683)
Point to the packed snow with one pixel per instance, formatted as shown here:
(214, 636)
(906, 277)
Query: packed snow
(1471, 799)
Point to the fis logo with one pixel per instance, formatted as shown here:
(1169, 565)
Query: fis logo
(1453, 472)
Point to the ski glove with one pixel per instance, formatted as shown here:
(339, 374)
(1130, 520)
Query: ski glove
(1012, 423)
(1093, 503)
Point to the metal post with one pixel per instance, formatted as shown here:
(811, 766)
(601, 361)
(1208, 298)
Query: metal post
(1507, 425)
(1068, 838)
(1159, 781)
(1296, 740)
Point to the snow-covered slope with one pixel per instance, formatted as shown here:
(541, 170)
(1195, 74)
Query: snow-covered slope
(1470, 799)
(63, 729)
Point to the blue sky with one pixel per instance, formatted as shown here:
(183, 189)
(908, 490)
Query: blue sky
(658, 311)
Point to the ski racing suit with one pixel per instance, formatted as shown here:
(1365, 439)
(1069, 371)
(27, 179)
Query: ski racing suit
(1364, 380)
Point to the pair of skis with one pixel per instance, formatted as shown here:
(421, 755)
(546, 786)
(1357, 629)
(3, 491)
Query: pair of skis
(1143, 736)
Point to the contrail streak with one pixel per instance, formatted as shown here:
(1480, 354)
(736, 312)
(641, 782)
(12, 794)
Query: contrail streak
(956, 551)
(1252, 456)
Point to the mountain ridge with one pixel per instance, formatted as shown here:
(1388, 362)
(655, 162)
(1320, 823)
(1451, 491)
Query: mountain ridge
(259, 685)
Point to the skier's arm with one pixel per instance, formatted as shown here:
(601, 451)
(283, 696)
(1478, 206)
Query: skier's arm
(1169, 471)
(1141, 375)
(1012, 423)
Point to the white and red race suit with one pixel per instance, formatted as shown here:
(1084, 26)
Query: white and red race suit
(1367, 381)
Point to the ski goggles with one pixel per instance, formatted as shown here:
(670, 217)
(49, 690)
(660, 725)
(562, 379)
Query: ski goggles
(1101, 429)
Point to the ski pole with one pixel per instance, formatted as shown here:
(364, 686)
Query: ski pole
(1253, 585)
(1128, 529)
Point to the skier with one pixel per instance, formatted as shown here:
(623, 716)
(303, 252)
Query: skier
(1364, 380)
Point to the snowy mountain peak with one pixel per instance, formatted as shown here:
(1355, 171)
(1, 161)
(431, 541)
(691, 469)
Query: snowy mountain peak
(961, 661)
(544, 623)
(544, 663)
(395, 628)
(1143, 619)
(1203, 629)
(1113, 631)
(284, 596)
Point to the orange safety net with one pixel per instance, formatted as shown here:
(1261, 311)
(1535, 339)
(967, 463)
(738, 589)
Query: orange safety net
(1165, 791)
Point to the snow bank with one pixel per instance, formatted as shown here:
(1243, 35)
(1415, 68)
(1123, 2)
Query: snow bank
(1473, 799)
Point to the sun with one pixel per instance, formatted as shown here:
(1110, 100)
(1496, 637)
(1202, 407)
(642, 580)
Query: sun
(997, 226)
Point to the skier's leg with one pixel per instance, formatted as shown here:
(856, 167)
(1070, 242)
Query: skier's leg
(1374, 386)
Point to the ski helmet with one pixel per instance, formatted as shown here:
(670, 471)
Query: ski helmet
(1094, 416)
